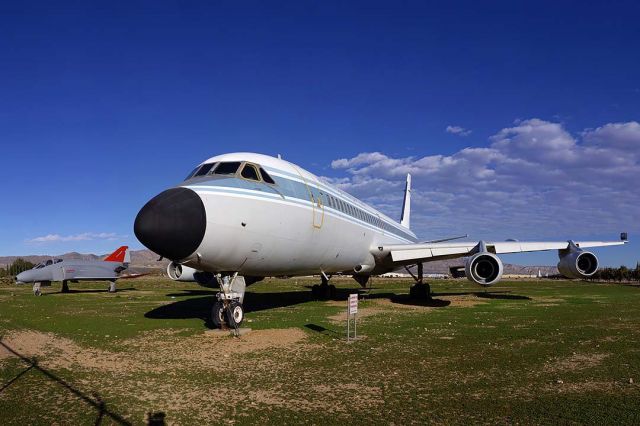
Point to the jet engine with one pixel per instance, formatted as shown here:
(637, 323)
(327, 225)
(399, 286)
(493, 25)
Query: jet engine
(578, 264)
(178, 272)
(483, 268)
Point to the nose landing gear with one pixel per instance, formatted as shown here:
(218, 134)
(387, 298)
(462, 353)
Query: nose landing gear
(227, 309)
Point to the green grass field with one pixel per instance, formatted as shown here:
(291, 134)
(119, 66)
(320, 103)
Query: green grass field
(523, 352)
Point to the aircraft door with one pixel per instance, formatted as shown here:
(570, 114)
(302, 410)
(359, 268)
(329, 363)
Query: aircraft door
(317, 199)
(317, 202)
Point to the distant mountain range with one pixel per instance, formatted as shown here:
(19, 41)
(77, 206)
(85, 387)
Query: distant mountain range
(146, 261)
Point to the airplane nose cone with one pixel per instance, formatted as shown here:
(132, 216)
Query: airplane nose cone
(172, 223)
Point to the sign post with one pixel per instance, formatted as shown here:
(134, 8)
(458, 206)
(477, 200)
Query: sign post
(352, 312)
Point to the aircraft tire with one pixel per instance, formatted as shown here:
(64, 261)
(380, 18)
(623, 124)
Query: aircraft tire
(332, 292)
(315, 290)
(235, 314)
(218, 316)
(420, 292)
(37, 292)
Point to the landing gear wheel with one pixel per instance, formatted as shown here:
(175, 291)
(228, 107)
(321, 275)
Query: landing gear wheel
(37, 292)
(235, 314)
(65, 287)
(218, 316)
(420, 291)
(332, 292)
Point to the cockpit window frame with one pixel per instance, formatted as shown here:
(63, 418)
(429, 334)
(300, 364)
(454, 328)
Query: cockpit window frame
(264, 173)
(193, 172)
(255, 170)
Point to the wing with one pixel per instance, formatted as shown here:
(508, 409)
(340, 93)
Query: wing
(406, 254)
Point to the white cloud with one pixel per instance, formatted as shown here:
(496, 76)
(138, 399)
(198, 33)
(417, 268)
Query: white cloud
(85, 236)
(457, 130)
(533, 180)
(624, 136)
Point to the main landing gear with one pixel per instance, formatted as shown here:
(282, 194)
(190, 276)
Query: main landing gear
(227, 309)
(420, 290)
(324, 290)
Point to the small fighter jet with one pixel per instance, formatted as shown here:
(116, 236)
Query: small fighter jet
(77, 270)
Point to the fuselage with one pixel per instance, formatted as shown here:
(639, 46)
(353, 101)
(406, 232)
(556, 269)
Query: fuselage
(287, 222)
(74, 270)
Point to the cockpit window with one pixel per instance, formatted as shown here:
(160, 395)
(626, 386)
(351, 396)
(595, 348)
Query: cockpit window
(193, 172)
(266, 177)
(250, 172)
(39, 265)
(58, 261)
(229, 168)
(49, 262)
(204, 169)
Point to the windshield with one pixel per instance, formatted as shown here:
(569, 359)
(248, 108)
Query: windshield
(229, 168)
(204, 169)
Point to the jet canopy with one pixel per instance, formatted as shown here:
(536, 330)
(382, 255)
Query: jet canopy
(238, 169)
(47, 263)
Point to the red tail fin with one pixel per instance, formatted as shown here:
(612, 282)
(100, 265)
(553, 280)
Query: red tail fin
(118, 255)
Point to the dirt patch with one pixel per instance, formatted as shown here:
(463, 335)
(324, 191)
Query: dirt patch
(576, 362)
(59, 352)
(589, 386)
(156, 351)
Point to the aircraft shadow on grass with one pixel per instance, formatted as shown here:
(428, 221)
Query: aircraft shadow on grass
(199, 302)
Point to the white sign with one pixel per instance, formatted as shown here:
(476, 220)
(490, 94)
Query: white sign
(352, 307)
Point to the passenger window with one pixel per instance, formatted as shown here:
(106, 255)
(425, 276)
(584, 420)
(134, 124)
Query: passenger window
(249, 172)
(229, 168)
(204, 169)
(266, 177)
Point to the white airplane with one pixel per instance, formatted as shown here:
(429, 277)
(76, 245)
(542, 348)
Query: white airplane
(240, 217)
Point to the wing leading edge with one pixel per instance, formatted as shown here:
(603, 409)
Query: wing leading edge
(404, 254)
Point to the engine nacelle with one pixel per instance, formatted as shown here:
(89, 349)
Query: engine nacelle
(578, 264)
(363, 269)
(178, 272)
(483, 268)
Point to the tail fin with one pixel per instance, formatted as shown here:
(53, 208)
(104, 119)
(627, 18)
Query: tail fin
(120, 255)
(406, 207)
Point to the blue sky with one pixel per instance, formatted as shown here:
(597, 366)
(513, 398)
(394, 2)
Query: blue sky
(518, 120)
